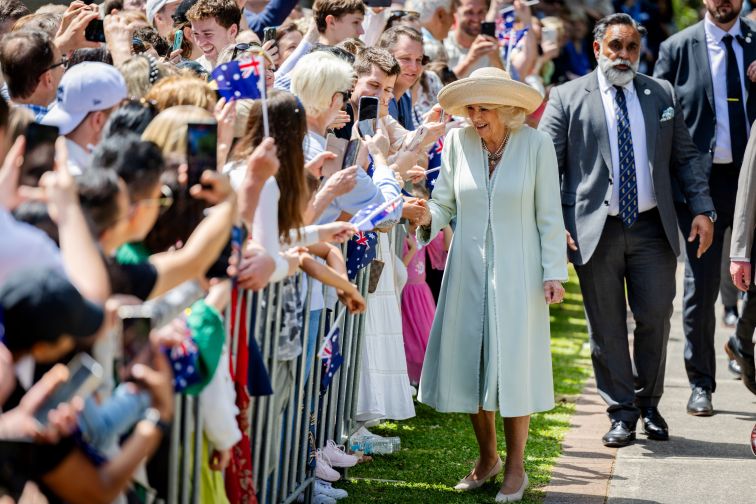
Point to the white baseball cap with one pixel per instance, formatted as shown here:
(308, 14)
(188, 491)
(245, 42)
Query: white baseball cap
(153, 7)
(86, 87)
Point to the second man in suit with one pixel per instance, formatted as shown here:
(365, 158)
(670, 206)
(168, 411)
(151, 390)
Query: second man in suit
(711, 66)
(621, 142)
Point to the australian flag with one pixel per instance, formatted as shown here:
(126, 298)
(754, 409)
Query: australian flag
(506, 33)
(241, 79)
(330, 353)
(434, 162)
(361, 250)
(184, 359)
(372, 216)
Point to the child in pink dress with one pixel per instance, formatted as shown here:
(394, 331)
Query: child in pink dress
(418, 306)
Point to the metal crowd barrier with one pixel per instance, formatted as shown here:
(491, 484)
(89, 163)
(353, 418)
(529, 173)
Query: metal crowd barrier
(286, 426)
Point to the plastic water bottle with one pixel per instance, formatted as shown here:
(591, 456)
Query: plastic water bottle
(376, 445)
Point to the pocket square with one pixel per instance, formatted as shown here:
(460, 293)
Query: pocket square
(667, 114)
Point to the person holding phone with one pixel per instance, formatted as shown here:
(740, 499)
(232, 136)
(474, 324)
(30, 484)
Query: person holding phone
(466, 47)
(33, 67)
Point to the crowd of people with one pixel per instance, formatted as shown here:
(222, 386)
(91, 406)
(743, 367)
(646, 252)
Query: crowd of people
(536, 133)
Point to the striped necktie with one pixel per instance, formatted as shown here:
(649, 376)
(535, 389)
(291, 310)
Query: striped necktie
(628, 189)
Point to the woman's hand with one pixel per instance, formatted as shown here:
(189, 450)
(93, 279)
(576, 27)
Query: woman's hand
(340, 121)
(352, 299)
(315, 167)
(424, 219)
(553, 291)
(378, 145)
(219, 459)
(338, 231)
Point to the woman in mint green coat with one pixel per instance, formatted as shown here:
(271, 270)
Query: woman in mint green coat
(489, 346)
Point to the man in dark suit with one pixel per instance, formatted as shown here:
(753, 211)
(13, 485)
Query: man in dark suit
(711, 66)
(621, 141)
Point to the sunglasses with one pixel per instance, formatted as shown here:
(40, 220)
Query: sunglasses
(399, 14)
(345, 94)
(63, 62)
(240, 48)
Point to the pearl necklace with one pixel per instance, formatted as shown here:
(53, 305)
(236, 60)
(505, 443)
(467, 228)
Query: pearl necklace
(494, 158)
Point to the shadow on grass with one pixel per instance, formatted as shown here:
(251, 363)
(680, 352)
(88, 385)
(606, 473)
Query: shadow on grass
(438, 449)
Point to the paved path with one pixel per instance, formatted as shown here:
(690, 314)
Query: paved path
(707, 460)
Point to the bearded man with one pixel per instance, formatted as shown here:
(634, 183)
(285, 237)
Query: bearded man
(711, 66)
(621, 144)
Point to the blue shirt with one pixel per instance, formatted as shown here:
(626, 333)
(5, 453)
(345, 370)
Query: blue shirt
(402, 111)
(38, 111)
(275, 12)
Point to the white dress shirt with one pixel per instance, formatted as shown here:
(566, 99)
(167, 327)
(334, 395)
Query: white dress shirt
(718, 65)
(646, 196)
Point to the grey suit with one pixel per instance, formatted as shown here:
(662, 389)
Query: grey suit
(684, 62)
(611, 257)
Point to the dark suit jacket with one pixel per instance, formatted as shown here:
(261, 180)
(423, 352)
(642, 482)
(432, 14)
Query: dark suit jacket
(575, 119)
(684, 61)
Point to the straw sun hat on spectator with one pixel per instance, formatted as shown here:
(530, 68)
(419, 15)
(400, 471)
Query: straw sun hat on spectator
(488, 86)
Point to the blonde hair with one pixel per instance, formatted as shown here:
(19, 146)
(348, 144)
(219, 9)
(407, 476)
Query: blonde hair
(182, 89)
(136, 72)
(168, 129)
(317, 77)
(511, 117)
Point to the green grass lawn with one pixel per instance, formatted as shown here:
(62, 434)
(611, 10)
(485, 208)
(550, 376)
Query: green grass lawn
(438, 449)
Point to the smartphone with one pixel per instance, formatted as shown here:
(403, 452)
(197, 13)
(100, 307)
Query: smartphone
(420, 135)
(40, 152)
(84, 376)
(350, 155)
(548, 34)
(178, 39)
(95, 32)
(135, 335)
(201, 149)
(338, 146)
(378, 3)
(269, 33)
(367, 115)
(488, 29)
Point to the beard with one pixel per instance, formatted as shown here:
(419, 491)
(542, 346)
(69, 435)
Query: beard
(613, 74)
(723, 16)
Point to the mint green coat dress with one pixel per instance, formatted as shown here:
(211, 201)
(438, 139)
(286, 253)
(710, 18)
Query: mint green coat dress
(489, 345)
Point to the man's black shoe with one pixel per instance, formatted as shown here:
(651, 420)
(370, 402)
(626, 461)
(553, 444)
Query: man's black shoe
(654, 425)
(699, 403)
(747, 368)
(621, 434)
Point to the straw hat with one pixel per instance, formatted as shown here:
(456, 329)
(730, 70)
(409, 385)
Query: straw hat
(488, 86)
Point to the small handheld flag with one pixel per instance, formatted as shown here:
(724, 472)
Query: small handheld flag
(371, 216)
(330, 353)
(244, 78)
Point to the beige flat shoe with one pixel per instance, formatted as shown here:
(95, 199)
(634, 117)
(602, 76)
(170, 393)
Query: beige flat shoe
(467, 483)
(513, 497)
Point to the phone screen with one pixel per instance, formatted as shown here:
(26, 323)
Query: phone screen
(269, 33)
(548, 34)
(378, 3)
(85, 375)
(367, 116)
(136, 337)
(487, 28)
(201, 146)
(95, 32)
(350, 156)
(40, 152)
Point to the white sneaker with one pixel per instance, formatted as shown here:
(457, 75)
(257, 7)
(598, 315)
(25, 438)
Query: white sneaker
(325, 488)
(322, 499)
(373, 423)
(336, 455)
(325, 471)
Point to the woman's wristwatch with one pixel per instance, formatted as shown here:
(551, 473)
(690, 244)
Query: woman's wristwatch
(152, 416)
